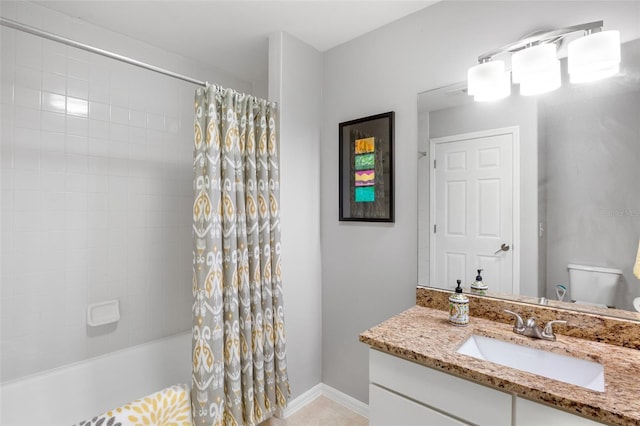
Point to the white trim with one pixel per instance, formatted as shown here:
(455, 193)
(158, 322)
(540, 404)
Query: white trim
(346, 401)
(517, 219)
(333, 394)
(514, 131)
(302, 400)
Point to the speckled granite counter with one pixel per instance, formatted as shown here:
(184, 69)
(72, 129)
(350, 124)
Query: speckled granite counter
(423, 335)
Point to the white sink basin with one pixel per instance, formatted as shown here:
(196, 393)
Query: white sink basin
(580, 372)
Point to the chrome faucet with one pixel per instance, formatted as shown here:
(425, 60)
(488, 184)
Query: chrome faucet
(532, 329)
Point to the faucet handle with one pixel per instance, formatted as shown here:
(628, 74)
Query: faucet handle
(547, 333)
(519, 325)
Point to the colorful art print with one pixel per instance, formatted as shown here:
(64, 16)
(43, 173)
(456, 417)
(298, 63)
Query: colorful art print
(365, 145)
(365, 194)
(366, 169)
(365, 178)
(365, 161)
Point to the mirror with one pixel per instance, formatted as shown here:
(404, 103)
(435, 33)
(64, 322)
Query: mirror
(575, 188)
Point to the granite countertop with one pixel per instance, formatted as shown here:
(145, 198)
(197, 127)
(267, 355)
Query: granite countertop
(424, 335)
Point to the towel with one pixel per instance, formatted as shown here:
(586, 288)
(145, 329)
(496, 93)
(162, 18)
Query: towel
(168, 406)
(636, 267)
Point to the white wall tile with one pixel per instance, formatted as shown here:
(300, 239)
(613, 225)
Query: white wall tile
(53, 161)
(79, 54)
(77, 126)
(99, 91)
(27, 139)
(155, 121)
(54, 83)
(89, 199)
(119, 115)
(26, 158)
(76, 163)
(26, 97)
(24, 180)
(97, 146)
(54, 102)
(53, 122)
(76, 106)
(53, 201)
(54, 62)
(28, 51)
(98, 129)
(118, 132)
(27, 77)
(98, 110)
(76, 145)
(78, 69)
(6, 94)
(26, 117)
(77, 88)
(138, 118)
(75, 182)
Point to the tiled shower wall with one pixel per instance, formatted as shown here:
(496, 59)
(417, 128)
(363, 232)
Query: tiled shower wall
(96, 199)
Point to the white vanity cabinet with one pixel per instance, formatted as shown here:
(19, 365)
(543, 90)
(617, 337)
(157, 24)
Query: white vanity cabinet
(529, 413)
(405, 393)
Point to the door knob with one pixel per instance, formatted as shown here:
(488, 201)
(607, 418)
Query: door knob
(503, 247)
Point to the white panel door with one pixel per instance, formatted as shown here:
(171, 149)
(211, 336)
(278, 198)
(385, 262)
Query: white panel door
(473, 209)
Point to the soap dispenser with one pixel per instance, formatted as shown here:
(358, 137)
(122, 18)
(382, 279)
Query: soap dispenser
(478, 287)
(458, 307)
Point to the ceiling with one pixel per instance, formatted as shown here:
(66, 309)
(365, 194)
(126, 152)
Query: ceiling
(233, 34)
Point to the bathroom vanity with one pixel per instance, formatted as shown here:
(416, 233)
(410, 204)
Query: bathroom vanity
(417, 377)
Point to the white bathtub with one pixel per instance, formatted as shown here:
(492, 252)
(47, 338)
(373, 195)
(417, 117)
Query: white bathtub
(80, 391)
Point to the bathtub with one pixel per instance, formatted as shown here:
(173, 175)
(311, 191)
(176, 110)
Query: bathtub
(69, 394)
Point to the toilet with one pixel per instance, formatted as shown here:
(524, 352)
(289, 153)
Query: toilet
(593, 285)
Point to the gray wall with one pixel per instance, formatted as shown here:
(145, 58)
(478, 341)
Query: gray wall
(369, 271)
(593, 185)
(295, 77)
(513, 111)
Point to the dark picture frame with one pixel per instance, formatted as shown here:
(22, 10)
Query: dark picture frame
(366, 175)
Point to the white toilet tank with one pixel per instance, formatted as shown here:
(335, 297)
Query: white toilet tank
(593, 284)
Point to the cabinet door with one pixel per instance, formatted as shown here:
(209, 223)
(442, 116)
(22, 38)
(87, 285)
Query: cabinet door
(529, 413)
(388, 409)
(463, 399)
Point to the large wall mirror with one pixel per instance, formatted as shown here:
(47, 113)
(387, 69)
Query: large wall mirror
(525, 187)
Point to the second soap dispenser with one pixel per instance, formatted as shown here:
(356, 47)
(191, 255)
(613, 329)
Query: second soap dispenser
(479, 287)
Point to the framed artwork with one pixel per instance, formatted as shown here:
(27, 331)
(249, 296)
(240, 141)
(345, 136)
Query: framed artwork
(366, 169)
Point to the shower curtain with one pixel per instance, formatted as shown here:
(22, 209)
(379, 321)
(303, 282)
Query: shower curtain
(239, 374)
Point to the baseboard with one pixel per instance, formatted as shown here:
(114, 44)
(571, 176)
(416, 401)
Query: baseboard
(333, 394)
(302, 400)
(345, 400)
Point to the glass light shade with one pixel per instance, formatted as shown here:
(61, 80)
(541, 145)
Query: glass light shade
(488, 81)
(541, 82)
(594, 57)
(537, 69)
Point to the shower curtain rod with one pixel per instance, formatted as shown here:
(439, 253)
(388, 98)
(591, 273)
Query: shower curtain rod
(40, 33)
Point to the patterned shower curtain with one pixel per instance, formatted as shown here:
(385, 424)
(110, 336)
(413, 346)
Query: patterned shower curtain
(239, 374)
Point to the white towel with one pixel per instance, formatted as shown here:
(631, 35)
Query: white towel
(636, 267)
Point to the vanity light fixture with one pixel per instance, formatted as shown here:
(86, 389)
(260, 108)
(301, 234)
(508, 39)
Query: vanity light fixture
(536, 69)
(594, 57)
(488, 81)
(535, 65)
